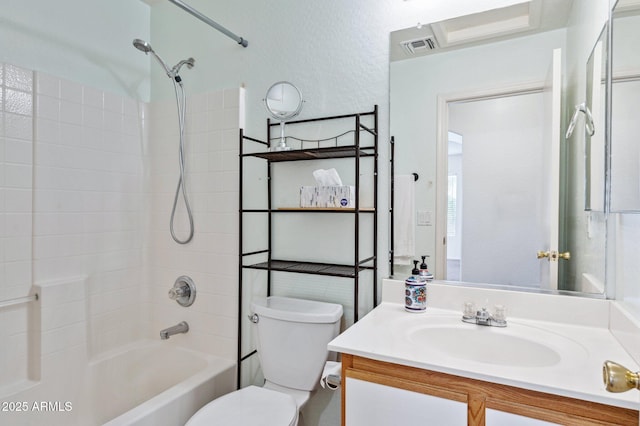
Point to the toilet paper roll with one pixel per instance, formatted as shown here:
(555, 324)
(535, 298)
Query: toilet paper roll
(330, 378)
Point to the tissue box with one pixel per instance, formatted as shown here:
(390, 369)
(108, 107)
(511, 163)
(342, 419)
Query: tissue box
(328, 196)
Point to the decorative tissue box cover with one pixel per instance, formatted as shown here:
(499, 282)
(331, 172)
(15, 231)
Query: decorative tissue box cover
(327, 196)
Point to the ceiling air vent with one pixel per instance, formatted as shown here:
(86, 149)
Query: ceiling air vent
(419, 45)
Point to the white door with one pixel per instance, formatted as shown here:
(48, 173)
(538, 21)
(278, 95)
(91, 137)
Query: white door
(551, 174)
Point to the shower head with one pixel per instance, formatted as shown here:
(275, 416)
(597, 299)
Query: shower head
(142, 45)
(145, 47)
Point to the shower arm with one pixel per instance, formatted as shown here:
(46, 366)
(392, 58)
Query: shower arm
(241, 41)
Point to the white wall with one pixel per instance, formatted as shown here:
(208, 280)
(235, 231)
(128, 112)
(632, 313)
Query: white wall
(626, 227)
(84, 41)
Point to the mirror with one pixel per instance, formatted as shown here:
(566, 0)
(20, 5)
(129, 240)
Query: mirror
(595, 112)
(284, 102)
(625, 126)
(433, 74)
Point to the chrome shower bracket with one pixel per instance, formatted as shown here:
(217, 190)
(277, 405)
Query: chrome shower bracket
(183, 291)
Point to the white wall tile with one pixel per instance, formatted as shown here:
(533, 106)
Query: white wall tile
(70, 112)
(47, 85)
(92, 116)
(18, 102)
(84, 222)
(70, 91)
(113, 102)
(95, 213)
(92, 97)
(205, 258)
(16, 112)
(18, 151)
(18, 78)
(18, 126)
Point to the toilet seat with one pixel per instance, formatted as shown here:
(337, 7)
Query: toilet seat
(252, 405)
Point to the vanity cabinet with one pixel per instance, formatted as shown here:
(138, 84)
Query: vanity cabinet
(501, 418)
(370, 403)
(460, 400)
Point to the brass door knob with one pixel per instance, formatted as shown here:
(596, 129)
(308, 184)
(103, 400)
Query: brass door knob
(618, 378)
(543, 254)
(554, 255)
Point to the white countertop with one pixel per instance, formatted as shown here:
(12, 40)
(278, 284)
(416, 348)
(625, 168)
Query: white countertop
(379, 335)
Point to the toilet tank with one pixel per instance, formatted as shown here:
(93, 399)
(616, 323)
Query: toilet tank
(292, 339)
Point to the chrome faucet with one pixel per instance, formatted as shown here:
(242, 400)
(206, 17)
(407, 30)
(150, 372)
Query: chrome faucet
(181, 327)
(483, 317)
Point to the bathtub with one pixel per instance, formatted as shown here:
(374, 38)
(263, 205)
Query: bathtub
(154, 384)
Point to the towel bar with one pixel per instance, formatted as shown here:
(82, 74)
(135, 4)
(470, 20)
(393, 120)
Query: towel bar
(18, 301)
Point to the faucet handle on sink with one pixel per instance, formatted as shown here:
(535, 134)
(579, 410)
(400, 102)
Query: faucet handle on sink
(499, 313)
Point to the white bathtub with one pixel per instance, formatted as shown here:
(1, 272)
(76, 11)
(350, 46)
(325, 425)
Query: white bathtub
(154, 384)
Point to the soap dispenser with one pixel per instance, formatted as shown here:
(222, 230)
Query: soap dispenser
(424, 270)
(415, 291)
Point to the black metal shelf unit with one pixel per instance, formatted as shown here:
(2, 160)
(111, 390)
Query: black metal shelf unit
(355, 150)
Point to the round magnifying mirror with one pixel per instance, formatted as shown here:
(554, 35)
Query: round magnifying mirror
(284, 102)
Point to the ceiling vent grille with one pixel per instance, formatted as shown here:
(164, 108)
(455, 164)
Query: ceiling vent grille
(419, 45)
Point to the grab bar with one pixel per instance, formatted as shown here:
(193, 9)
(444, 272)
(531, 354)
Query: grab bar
(241, 41)
(19, 300)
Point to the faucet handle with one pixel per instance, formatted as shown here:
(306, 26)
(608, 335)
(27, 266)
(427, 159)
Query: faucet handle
(176, 292)
(499, 313)
(469, 310)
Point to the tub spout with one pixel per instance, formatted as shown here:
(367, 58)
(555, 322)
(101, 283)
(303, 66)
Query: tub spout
(181, 327)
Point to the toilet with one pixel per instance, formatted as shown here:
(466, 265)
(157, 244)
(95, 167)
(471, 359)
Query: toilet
(292, 342)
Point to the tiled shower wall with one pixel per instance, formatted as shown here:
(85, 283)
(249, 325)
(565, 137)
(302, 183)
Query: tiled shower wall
(88, 207)
(16, 136)
(210, 259)
(92, 193)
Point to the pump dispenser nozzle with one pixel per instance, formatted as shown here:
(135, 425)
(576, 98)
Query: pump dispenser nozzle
(424, 264)
(424, 270)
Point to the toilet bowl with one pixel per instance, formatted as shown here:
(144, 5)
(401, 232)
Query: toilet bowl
(292, 337)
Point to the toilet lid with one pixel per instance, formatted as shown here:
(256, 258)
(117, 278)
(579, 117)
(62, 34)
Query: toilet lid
(252, 405)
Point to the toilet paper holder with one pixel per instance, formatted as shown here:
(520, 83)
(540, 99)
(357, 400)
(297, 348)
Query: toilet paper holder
(333, 381)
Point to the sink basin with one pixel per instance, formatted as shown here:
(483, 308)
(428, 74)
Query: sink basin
(516, 345)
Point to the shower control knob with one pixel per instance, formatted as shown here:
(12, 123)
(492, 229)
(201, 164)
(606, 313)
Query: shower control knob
(183, 291)
(175, 293)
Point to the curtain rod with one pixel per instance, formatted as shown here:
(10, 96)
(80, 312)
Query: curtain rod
(241, 41)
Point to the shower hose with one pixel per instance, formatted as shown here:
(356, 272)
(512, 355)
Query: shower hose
(181, 101)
